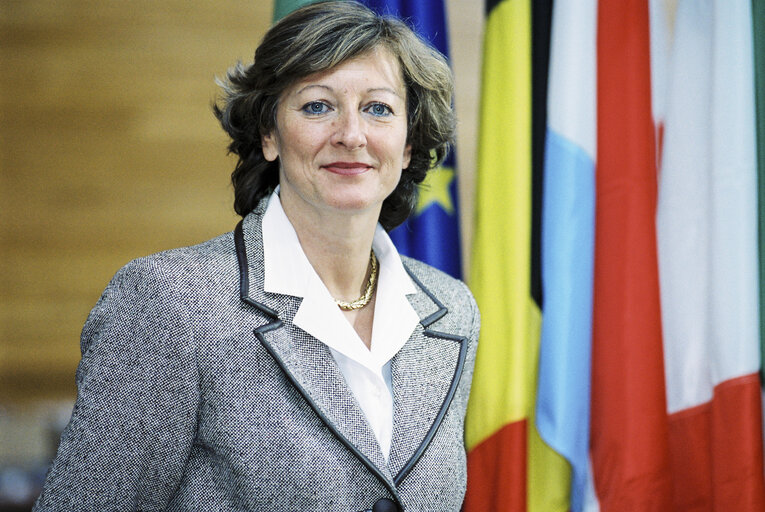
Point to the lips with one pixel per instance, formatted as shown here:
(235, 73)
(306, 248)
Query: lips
(347, 168)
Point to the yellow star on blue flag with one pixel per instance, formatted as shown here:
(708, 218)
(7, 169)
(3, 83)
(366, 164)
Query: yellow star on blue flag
(435, 190)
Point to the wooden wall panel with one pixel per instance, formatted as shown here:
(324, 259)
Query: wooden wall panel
(109, 151)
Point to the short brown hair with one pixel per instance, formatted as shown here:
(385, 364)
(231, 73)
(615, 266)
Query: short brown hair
(316, 38)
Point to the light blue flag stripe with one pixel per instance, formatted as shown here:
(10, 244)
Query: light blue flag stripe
(568, 238)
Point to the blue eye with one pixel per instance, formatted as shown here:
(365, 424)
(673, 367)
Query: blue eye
(379, 109)
(315, 107)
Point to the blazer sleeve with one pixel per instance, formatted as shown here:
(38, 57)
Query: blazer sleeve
(134, 420)
(473, 335)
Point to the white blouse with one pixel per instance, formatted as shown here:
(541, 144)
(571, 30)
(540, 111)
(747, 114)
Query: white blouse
(366, 371)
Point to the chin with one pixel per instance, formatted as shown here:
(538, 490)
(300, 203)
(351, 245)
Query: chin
(349, 204)
(355, 199)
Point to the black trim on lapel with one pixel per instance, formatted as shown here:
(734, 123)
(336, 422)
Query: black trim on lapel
(244, 279)
(426, 322)
(244, 293)
(440, 312)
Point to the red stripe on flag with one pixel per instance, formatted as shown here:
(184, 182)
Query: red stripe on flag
(497, 471)
(716, 450)
(629, 428)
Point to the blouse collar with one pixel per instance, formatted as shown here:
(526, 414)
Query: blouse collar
(288, 271)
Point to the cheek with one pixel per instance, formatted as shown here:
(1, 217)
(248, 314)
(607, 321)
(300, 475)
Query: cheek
(397, 179)
(393, 144)
(403, 150)
(302, 143)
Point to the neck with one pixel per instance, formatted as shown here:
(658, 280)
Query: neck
(337, 245)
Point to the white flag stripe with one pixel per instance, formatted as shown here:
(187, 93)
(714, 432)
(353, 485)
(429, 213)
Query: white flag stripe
(735, 297)
(573, 45)
(660, 43)
(706, 220)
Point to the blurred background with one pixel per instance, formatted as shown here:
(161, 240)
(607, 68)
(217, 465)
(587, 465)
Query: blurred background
(109, 151)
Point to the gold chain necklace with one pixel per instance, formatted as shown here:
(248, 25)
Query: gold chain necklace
(367, 295)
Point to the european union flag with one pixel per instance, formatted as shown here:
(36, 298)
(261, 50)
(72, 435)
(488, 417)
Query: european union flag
(432, 233)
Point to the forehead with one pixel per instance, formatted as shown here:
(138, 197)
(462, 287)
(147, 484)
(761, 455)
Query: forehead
(376, 69)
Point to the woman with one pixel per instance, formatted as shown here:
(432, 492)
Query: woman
(297, 363)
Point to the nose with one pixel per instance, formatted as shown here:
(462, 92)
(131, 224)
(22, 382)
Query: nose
(349, 131)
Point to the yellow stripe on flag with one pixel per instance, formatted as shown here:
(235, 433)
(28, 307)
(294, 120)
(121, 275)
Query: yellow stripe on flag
(500, 273)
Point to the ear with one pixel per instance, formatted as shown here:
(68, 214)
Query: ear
(407, 156)
(269, 145)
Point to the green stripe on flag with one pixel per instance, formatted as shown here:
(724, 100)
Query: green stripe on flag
(758, 25)
(283, 7)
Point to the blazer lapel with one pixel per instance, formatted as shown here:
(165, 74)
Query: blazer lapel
(426, 372)
(305, 361)
(308, 363)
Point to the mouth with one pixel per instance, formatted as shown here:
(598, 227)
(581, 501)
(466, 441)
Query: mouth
(347, 168)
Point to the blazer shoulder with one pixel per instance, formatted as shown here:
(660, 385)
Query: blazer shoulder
(192, 258)
(183, 267)
(449, 291)
(438, 282)
(177, 279)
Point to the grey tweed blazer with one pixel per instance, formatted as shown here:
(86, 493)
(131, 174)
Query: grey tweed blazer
(197, 392)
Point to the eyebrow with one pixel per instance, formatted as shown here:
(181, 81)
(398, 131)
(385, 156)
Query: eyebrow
(371, 89)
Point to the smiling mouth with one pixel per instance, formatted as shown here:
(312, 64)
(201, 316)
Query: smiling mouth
(347, 168)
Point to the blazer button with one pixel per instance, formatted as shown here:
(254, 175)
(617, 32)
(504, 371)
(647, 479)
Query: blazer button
(385, 505)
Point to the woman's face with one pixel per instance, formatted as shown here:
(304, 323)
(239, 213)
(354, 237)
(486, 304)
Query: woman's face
(340, 137)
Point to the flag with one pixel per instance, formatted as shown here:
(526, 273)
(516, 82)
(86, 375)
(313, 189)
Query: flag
(707, 232)
(758, 25)
(432, 233)
(509, 467)
(563, 397)
(656, 101)
(283, 7)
